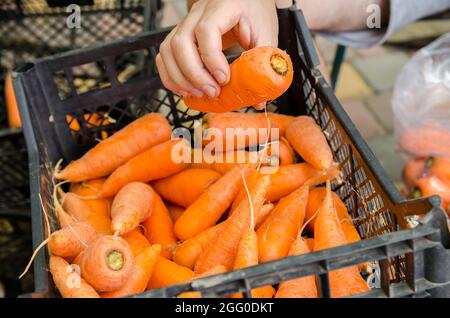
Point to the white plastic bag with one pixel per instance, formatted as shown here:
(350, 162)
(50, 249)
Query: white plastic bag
(421, 102)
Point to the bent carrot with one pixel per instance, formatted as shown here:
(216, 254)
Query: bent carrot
(131, 206)
(70, 241)
(303, 287)
(219, 269)
(144, 263)
(175, 211)
(167, 273)
(259, 75)
(186, 186)
(222, 251)
(136, 241)
(308, 140)
(211, 204)
(152, 164)
(106, 156)
(159, 228)
(328, 233)
(107, 263)
(12, 108)
(68, 281)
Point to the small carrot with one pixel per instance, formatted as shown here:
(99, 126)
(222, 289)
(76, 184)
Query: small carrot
(175, 211)
(144, 264)
(280, 229)
(70, 241)
(412, 171)
(308, 140)
(12, 109)
(167, 273)
(136, 240)
(303, 287)
(107, 263)
(152, 164)
(159, 228)
(259, 75)
(68, 281)
(131, 206)
(186, 186)
(432, 185)
(106, 156)
(328, 233)
(219, 269)
(241, 124)
(211, 204)
(222, 251)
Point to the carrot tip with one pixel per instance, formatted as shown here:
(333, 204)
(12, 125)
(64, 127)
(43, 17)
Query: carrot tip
(279, 64)
(114, 260)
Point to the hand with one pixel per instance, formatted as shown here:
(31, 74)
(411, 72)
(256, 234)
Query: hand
(191, 61)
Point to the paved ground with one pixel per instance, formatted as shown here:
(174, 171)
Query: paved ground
(365, 83)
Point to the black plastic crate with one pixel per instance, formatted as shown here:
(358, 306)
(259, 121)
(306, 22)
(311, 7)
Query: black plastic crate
(412, 261)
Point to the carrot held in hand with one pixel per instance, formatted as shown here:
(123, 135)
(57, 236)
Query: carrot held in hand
(259, 75)
(107, 263)
(106, 156)
(136, 241)
(131, 206)
(155, 163)
(167, 273)
(308, 140)
(68, 281)
(186, 186)
(144, 263)
(70, 241)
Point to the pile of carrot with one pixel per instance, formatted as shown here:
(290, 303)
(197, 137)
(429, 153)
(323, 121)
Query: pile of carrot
(134, 220)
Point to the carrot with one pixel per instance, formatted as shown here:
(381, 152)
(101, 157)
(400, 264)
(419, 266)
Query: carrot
(131, 206)
(310, 241)
(70, 241)
(439, 167)
(265, 211)
(280, 229)
(82, 210)
(144, 264)
(303, 287)
(186, 186)
(222, 251)
(167, 273)
(219, 269)
(240, 123)
(291, 177)
(12, 109)
(328, 233)
(175, 211)
(211, 204)
(424, 141)
(412, 171)
(68, 281)
(222, 162)
(106, 156)
(308, 140)
(159, 228)
(136, 241)
(432, 185)
(107, 263)
(258, 75)
(93, 120)
(152, 164)
(283, 151)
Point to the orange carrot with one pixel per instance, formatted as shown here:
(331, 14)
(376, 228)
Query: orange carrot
(106, 156)
(211, 204)
(131, 206)
(308, 140)
(68, 281)
(310, 242)
(159, 228)
(167, 273)
(258, 75)
(439, 166)
(175, 211)
(107, 263)
(432, 185)
(328, 233)
(283, 151)
(303, 287)
(219, 269)
(92, 120)
(152, 164)
(412, 171)
(12, 109)
(280, 229)
(222, 162)
(136, 240)
(144, 263)
(222, 251)
(241, 124)
(261, 217)
(186, 186)
(70, 241)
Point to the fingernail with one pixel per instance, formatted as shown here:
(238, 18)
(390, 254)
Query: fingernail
(210, 90)
(220, 77)
(197, 93)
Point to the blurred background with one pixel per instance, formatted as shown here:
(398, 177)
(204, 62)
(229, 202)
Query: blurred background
(29, 29)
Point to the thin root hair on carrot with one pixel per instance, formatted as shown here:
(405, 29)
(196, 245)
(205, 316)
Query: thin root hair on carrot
(267, 138)
(252, 213)
(33, 256)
